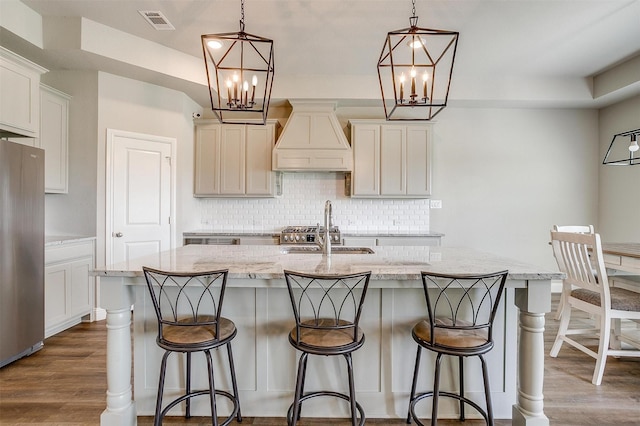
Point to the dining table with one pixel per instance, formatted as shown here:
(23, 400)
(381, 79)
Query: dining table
(622, 258)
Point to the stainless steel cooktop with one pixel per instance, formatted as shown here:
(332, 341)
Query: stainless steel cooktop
(306, 234)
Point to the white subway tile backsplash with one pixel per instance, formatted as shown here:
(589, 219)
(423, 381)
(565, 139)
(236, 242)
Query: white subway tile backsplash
(302, 203)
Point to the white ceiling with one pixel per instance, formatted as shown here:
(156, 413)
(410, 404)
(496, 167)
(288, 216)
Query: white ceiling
(527, 52)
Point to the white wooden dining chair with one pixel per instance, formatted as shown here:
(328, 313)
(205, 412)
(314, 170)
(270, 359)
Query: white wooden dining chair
(581, 229)
(581, 255)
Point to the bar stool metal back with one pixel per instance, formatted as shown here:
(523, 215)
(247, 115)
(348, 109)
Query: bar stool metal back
(188, 307)
(327, 311)
(460, 314)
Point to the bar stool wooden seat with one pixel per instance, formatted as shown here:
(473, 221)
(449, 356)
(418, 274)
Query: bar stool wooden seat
(327, 311)
(460, 314)
(188, 307)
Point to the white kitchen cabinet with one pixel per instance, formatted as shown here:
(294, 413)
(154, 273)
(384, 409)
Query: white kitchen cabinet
(391, 160)
(19, 95)
(417, 240)
(373, 241)
(234, 160)
(369, 242)
(69, 290)
(54, 138)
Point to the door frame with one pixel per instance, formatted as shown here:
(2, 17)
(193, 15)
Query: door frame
(111, 135)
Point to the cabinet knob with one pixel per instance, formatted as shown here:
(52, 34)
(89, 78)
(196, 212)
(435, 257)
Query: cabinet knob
(118, 235)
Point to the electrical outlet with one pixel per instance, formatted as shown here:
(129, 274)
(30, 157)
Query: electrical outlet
(435, 204)
(435, 257)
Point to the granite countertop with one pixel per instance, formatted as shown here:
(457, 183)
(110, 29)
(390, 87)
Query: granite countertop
(387, 263)
(346, 233)
(54, 240)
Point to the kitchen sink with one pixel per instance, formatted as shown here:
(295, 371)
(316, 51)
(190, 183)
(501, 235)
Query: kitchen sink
(334, 250)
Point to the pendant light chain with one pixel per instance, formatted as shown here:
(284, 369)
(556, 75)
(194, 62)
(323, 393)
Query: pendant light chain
(413, 20)
(241, 16)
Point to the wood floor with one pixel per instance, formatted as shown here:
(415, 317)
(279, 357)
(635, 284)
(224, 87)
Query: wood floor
(65, 384)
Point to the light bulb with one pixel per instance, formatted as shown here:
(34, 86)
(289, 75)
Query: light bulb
(634, 146)
(415, 43)
(214, 44)
(254, 80)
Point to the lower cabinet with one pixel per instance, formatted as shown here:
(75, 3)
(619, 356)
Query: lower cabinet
(374, 240)
(68, 288)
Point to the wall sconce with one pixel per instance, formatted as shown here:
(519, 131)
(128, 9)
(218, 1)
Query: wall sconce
(240, 73)
(415, 68)
(624, 151)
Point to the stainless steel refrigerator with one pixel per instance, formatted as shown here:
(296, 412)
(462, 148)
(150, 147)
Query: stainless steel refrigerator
(21, 250)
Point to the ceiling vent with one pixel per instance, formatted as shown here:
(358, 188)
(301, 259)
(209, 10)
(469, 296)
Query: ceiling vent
(157, 20)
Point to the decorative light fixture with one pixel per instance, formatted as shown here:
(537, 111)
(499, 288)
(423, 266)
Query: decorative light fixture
(239, 74)
(625, 151)
(415, 68)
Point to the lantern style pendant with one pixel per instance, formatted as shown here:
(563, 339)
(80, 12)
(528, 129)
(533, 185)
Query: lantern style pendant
(240, 73)
(415, 69)
(623, 151)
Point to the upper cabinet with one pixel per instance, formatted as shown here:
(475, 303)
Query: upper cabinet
(234, 160)
(391, 160)
(19, 95)
(54, 139)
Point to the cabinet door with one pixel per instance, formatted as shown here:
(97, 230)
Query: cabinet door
(366, 160)
(56, 279)
(207, 160)
(260, 141)
(81, 298)
(232, 160)
(418, 160)
(54, 107)
(19, 103)
(393, 158)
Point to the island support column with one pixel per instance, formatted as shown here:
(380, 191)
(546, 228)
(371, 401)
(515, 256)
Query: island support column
(117, 298)
(533, 301)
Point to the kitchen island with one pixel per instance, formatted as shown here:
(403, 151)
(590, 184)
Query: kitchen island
(257, 301)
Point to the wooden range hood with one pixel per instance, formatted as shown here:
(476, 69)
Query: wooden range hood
(312, 140)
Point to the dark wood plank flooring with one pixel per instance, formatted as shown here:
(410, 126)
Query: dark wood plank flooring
(65, 384)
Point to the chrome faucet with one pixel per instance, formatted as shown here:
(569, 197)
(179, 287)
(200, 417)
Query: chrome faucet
(324, 242)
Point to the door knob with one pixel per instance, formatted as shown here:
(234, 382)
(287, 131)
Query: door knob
(119, 234)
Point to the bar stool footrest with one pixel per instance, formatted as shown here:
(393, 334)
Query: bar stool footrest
(429, 394)
(228, 395)
(325, 393)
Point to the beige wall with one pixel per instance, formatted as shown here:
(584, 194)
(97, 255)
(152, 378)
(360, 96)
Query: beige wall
(619, 186)
(505, 176)
(134, 106)
(75, 213)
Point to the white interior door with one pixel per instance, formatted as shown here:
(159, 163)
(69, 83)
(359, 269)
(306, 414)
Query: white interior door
(139, 195)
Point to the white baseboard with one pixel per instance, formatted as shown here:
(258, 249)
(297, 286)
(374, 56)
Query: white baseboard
(99, 314)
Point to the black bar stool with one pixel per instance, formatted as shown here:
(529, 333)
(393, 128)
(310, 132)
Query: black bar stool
(188, 307)
(460, 314)
(327, 311)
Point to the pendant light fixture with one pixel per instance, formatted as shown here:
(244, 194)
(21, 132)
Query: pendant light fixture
(239, 74)
(623, 151)
(415, 69)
